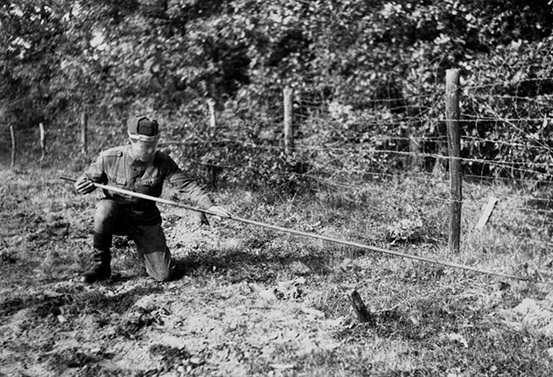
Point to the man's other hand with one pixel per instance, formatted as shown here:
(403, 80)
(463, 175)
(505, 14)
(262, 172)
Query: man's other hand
(83, 185)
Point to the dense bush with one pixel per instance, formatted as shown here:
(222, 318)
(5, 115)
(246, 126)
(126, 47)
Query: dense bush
(254, 166)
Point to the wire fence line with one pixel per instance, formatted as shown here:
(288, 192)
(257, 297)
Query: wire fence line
(368, 150)
(404, 124)
(338, 181)
(369, 169)
(366, 170)
(30, 138)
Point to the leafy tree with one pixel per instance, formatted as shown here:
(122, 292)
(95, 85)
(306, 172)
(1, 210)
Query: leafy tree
(27, 36)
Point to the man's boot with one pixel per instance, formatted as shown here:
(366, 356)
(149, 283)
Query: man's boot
(101, 270)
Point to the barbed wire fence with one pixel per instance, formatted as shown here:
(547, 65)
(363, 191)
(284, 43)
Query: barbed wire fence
(353, 147)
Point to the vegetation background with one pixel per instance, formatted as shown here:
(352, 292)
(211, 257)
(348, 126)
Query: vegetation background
(369, 165)
(366, 75)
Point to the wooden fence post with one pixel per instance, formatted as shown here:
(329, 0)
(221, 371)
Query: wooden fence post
(42, 140)
(363, 314)
(288, 120)
(84, 127)
(452, 94)
(12, 133)
(212, 116)
(414, 151)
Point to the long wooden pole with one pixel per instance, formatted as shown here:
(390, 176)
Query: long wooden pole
(452, 90)
(300, 233)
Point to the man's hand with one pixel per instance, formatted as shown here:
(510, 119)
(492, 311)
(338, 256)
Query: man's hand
(83, 185)
(220, 211)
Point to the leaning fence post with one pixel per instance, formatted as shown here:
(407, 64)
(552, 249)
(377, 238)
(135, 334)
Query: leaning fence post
(288, 120)
(452, 94)
(12, 134)
(414, 152)
(485, 217)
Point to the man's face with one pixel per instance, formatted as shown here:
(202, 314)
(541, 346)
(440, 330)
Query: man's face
(143, 151)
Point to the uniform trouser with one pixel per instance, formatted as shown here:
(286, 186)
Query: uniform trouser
(111, 218)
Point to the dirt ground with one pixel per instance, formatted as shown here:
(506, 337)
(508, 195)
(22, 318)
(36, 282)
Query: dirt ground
(248, 302)
(140, 328)
(220, 325)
